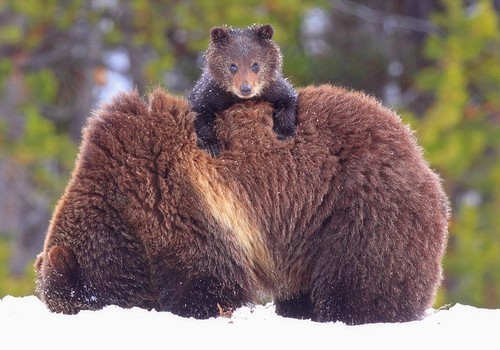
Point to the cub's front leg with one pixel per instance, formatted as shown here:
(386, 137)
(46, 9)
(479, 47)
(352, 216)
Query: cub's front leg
(285, 119)
(284, 100)
(204, 125)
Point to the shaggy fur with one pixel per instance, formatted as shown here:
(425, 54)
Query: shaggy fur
(241, 64)
(344, 222)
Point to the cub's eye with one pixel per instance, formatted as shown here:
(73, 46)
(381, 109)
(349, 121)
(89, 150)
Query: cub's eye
(233, 68)
(255, 67)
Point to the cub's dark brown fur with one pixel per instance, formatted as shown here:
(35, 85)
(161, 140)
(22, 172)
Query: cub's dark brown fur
(344, 222)
(242, 64)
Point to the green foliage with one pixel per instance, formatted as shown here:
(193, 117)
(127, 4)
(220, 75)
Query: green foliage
(45, 85)
(15, 286)
(11, 33)
(5, 70)
(461, 134)
(40, 147)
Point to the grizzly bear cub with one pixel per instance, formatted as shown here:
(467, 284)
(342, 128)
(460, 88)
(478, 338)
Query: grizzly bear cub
(242, 64)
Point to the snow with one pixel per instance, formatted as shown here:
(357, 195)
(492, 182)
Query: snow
(26, 323)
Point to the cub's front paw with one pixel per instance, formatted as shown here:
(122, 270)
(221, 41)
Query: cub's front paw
(284, 123)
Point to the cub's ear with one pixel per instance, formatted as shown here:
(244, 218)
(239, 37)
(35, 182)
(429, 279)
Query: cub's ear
(219, 35)
(265, 31)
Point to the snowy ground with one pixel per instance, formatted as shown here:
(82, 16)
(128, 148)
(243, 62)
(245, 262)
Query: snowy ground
(25, 323)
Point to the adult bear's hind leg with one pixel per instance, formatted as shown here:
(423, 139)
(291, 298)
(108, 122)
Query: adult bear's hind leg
(58, 279)
(298, 306)
(205, 297)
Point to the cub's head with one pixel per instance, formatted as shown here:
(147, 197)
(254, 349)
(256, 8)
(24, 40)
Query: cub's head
(243, 61)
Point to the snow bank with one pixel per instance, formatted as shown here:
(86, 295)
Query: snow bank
(26, 323)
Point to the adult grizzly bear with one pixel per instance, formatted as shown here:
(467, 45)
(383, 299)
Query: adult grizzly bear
(344, 222)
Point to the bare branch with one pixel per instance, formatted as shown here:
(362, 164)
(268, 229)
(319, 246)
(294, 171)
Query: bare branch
(389, 21)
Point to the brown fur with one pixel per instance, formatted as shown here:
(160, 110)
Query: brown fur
(344, 222)
(243, 48)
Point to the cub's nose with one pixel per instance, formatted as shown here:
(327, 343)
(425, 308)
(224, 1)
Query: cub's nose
(245, 89)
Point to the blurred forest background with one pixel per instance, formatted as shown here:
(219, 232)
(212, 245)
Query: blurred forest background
(436, 62)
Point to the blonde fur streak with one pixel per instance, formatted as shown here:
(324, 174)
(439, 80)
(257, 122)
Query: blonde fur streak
(224, 206)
